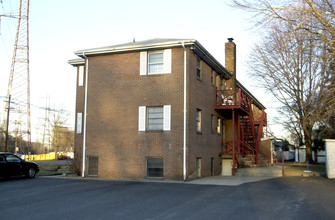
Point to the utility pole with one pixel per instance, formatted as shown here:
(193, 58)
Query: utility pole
(7, 124)
(16, 140)
(46, 129)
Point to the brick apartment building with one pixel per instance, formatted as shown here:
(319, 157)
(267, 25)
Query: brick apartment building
(161, 108)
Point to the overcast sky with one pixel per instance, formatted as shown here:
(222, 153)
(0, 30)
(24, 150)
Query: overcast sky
(58, 28)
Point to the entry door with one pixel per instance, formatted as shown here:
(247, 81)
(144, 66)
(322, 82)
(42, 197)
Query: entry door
(223, 129)
(212, 166)
(198, 167)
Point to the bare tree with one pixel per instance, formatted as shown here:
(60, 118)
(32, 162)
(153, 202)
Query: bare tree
(291, 124)
(61, 136)
(63, 139)
(287, 64)
(317, 17)
(295, 61)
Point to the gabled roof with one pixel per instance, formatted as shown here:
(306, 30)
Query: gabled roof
(156, 43)
(162, 43)
(137, 45)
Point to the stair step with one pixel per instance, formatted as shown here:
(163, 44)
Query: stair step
(259, 171)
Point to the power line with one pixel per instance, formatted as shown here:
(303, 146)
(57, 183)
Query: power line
(12, 14)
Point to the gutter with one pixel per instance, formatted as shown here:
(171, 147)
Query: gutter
(76, 62)
(101, 51)
(205, 53)
(185, 110)
(85, 116)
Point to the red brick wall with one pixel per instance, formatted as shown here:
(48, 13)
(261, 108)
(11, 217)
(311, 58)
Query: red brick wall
(116, 90)
(78, 138)
(204, 145)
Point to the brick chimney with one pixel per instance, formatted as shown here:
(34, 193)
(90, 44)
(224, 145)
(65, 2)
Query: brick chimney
(230, 60)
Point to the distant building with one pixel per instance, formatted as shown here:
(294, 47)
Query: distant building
(162, 108)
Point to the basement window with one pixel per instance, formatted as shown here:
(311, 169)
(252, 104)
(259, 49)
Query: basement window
(155, 167)
(93, 166)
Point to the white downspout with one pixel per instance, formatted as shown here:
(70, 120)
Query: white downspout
(185, 109)
(85, 117)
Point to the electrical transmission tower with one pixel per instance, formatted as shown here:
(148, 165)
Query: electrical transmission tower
(16, 122)
(46, 141)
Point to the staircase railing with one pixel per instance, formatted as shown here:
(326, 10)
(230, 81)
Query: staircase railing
(232, 99)
(251, 152)
(248, 134)
(266, 152)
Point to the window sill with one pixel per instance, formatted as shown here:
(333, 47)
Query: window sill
(156, 74)
(154, 131)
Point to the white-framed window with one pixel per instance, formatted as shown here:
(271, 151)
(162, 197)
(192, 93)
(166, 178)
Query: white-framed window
(80, 75)
(198, 118)
(155, 62)
(154, 118)
(79, 122)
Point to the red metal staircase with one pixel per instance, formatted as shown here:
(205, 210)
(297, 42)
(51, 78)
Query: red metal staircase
(247, 130)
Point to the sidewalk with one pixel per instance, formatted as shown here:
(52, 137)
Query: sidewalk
(228, 180)
(212, 180)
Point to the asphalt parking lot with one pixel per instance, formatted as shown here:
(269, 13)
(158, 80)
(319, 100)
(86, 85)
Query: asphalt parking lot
(76, 198)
